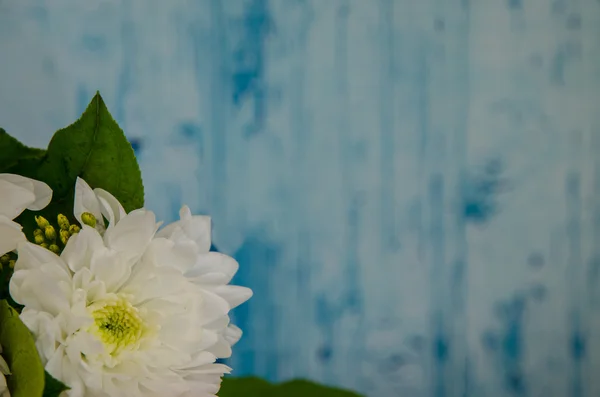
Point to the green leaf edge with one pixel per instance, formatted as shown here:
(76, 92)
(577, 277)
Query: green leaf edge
(13, 144)
(52, 386)
(45, 164)
(258, 387)
(97, 103)
(21, 355)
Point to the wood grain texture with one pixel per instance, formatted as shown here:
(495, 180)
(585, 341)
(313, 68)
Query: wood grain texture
(412, 188)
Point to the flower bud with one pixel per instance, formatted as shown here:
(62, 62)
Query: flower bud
(88, 219)
(74, 229)
(64, 236)
(54, 248)
(50, 232)
(41, 222)
(38, 232)
(39, 239)
(11, 263)
(4, 258)
(63, 222)
(44, 245)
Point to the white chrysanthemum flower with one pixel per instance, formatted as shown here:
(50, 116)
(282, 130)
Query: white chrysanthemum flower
(4, 370)
(126, 311)
(18, 193)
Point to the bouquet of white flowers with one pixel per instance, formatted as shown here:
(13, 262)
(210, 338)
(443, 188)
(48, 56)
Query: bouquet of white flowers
(97, 298)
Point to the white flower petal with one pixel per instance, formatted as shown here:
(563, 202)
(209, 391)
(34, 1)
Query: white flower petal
(41, 290)
(3, 386)
(221, 348)
(166, 252)
(19, 192)
(213, 307)
(210, 369)
(10, 235)
(110, 268)
(43, 195)
(133, 233)
(14, 198)
(213, 262)
(197, 360)
(204, 385)
(233, 294)
(32, 256)
(86, 201)
(191, 227)
(81, 247)
(84, 280)
(208, 339)
(45, 327)
(110, 206)
(56, 365)
(220, 323)
(232, 334)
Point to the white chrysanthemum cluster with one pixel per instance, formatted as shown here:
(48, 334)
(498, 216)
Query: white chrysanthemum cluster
(127, 309)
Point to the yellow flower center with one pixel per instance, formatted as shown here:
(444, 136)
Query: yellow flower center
(117, 324)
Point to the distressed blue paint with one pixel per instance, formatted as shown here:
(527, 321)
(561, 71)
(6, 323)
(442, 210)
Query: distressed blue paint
(217, 122)
(93, 43)
(387, 136)
(574, 22)
(262, 360)
(439, 324)
(538, 292)
(506, 344)
(386, 172)
(513, 347)
(350, 304)
(191, 132)
(481, 193)
(353, 300)
(559, 6)
(515, 4)
(558, 67)
(577, 328)
(174, 198)
(83, 99)
(125, 76)
(594, 260)
(248, 64)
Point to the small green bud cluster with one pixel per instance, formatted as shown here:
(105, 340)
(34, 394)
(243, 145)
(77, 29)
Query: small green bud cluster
(9, 260)
(48, 237)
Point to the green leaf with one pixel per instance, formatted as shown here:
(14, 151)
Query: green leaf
(53, 387)
(93, 148)
(255, 387)
(19, 351)
(96, 149)
(246, 387)
(303, 388)
(12, 151)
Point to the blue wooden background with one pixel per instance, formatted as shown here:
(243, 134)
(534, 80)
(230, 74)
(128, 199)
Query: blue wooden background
(412, 187)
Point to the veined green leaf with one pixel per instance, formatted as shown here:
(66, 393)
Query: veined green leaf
(93, 148)
(19, 351)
